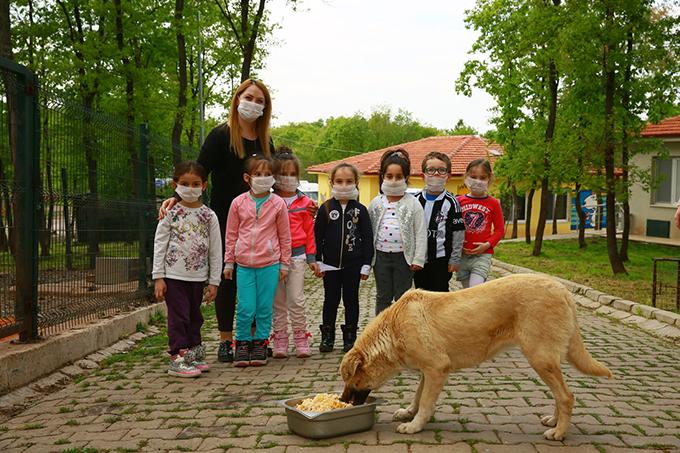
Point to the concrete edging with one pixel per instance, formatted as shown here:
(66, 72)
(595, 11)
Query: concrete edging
(659, 322)
(22, 364)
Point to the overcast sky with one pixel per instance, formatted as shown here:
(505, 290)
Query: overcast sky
(339, 57)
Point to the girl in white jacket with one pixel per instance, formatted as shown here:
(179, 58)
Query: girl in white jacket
(399, 230)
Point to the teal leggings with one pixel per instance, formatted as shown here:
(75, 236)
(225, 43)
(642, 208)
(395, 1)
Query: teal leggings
(255, 291)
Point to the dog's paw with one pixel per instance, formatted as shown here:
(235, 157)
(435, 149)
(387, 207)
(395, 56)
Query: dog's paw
(552, 434)
(549, 420)
(409, 428)
(403, 415)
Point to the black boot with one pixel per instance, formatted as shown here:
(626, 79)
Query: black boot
(349, 336)
(327, 338)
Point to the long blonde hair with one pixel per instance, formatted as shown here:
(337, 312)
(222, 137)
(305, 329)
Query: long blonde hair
(261, 124)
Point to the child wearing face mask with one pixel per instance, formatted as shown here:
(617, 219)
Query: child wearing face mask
(484, 224)
(257, 244)
(344, 251)
(187, 252)
(399, 230)
(445, 227)
(289, 301)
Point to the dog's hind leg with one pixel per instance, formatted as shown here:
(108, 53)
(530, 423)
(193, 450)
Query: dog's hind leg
(549, 370)
(403, 415)
(432, 383)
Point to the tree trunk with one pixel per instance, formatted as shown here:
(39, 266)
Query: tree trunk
(581, 219)
(129, 96)
(625, 156)
(182, 73)
(527, 222)
(549, 132)
(609, 149)
(554, 216)
(515, 209)
(249, 45)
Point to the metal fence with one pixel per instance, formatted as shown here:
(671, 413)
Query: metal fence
(78, 194)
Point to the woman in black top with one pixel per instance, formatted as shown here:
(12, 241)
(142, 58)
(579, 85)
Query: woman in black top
(223, 153)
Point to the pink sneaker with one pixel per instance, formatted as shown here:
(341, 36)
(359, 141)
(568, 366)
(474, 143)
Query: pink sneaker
(280, 338)
(301, 339)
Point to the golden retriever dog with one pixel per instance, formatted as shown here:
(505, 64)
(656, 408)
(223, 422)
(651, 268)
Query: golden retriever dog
(437, 333)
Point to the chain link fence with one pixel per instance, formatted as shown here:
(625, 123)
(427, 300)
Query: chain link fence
(77, 210)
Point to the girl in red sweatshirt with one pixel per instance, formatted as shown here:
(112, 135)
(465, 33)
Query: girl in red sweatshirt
(289, 301)
(484, 224)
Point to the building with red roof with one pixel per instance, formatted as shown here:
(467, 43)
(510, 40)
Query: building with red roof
(652, 210)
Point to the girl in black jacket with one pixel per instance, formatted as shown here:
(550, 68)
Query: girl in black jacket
(344, 251)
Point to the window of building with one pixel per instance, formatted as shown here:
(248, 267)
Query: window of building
(560, 202)
(666, 173)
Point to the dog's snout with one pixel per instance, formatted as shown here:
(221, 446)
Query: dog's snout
(354, 396)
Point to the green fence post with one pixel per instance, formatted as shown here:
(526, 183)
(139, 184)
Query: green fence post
(28, 200)
(142, 189)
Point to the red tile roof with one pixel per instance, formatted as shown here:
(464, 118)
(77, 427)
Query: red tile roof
(461, 149)
(667, 128)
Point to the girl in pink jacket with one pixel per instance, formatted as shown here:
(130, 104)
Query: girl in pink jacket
(258, 244)
(289, 301)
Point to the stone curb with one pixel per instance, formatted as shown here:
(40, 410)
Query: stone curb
(654, 320)
(73, 354)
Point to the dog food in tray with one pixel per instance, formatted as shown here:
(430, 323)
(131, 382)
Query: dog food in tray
(336, 422)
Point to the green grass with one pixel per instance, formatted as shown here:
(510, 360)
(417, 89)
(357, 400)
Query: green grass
(57, 258)
(590, 266)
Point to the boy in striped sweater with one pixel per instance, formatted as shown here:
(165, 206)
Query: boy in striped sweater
(445, 227)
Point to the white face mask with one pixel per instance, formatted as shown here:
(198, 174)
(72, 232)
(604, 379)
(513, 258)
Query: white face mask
(344, 193)
(261, 184)
(287, 183)
(250, 111)
(394, 188)
(476, 186)
(435, 184)
(189, 194)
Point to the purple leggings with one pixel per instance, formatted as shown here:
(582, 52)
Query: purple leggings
(184, 314)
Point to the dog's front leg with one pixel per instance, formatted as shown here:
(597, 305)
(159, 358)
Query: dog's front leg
(432, 383)
(403, 415)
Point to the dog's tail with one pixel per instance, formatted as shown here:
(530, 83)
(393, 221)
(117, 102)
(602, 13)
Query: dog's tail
(579, 356)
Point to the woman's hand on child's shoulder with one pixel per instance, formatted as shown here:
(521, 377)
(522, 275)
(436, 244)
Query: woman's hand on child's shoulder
(159, 289)
(166, 206)
(210, 293)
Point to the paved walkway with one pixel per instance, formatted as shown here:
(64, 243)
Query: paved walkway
(133, 405)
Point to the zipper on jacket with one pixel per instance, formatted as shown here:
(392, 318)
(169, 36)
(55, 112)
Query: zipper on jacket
(342, 234)
(252, 239)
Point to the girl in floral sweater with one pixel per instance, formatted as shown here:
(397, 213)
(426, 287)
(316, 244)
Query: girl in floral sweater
(187, 252)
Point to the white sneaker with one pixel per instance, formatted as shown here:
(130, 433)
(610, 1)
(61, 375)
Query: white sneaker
(181, 369)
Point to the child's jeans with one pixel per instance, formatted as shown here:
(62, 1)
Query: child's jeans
(290, 298)
(342, 284)
(393, 277)
(255, 291)
(434, 276)
(474, 264)
(183, 300)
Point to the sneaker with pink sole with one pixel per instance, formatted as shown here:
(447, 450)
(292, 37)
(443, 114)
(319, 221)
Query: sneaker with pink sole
(301, 339)
(181, 369)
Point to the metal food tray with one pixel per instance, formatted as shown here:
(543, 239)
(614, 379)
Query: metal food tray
(320, 425)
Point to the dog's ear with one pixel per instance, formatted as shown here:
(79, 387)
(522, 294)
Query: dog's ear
(351, 363)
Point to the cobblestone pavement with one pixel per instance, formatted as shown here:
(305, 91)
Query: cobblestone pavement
(131, 404)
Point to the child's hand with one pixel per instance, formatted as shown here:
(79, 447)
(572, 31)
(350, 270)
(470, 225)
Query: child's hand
(315, 268)
(166, 206)
(319, 274)
(312, 208)
(210, 293)
(454, 267)
(364, 277)
(481, 248)
(159, 289)
(283, 276)
(415, 267)
(228, 274)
